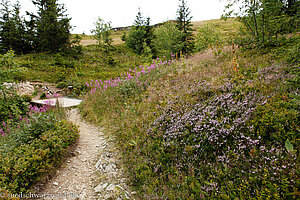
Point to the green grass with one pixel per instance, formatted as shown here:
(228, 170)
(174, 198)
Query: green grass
(83, 36)
(140, 120)
(227, 28)
(94, 63)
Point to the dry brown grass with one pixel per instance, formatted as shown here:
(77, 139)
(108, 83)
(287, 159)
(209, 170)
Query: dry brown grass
(93, 42)
(88, 42)
(117, 41)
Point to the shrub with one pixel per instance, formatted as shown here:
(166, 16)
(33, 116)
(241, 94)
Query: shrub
(12, 105)
(30, 145)
(167, 39)
(62, 61)
(293, 55)
(278, 120)
(43, 96)
(10, 69)
(23, 165)
(207, 36)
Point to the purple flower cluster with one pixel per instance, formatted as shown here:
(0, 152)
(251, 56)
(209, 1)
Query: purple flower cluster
(220, 120)
(132, 75)
(216, 134)
(35, 109)
(6, 127)
(273, 73)
(12, 124)
(208, 128)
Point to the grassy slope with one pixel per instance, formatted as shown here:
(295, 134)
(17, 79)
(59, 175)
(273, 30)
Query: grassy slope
(165, 163)
(95, 62)
(228, 28)
(66, 70)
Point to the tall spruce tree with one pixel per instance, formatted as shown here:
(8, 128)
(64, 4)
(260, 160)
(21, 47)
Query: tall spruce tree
(22, 42)
(52, 26)
(185, 26)
(141, 36)
(291, 6)
(13, 31)
(5, 26)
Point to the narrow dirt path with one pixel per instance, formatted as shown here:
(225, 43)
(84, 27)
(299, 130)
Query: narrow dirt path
(94, 171)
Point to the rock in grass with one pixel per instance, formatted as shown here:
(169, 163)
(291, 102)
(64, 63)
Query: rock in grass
(100, 187)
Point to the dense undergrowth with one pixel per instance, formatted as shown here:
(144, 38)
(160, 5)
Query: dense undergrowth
(32, 142)
(219, 125)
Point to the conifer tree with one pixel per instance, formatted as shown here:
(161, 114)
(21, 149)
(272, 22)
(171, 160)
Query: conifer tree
(185, 26)
(13, 33)
(52, 26)
(5, 27)
(141, 36)
(140, 21)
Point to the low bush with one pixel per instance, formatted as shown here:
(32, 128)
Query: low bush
(12, 105)
(219, 152)
(23, 165)
(10, 69)
(30, 146)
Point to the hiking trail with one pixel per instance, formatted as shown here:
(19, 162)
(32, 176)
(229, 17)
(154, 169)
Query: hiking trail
(93, 171)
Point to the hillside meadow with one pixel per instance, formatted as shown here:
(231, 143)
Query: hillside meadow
(222, 123)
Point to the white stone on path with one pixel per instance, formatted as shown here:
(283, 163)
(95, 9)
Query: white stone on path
(62, 102)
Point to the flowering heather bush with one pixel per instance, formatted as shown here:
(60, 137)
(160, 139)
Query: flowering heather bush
(228, 144)
(215, 136)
